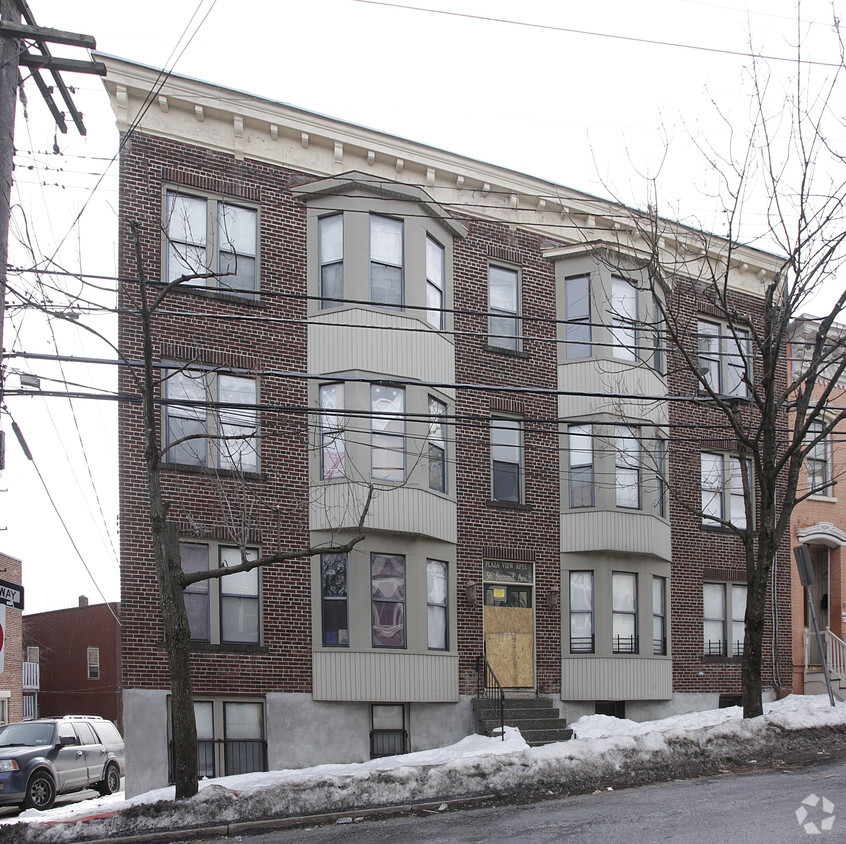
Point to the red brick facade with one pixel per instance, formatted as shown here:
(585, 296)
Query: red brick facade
(63, 638)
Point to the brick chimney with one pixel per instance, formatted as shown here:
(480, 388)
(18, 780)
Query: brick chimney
(83, 601)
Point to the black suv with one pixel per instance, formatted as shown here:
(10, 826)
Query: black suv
(50, 756)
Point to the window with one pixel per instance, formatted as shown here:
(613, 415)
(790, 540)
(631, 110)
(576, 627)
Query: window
(239, 599)
(624, 613)
(222, 609)
(434, 283)
(722, 490)
(203, 405)
(628, 465)
(506, 459)
(388, 735)
(330, 247)
(659, 616)
(577, 315)
(502, 303)
(386, 254)
(334, 589)
(333, 450)
(208, 235)
(724, 358)
(195, 558)
(387, 406)
(437, 445)
(93, 663)
(817, 461)
(33, 653)
(230, 737)
(624, 319)
(436, 604)
(387, 579)
(581, 612)
(723, 603)
(580, 439)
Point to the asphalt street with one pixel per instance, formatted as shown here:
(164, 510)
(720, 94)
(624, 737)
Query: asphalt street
(756, 808)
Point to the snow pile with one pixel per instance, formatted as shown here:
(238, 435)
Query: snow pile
(606, 752)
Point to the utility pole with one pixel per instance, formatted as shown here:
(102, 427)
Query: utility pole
(25, 45)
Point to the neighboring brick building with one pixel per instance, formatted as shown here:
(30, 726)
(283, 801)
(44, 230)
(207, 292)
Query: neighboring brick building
(11, 679)
(78, 651)
(456, 335)
(820, 523)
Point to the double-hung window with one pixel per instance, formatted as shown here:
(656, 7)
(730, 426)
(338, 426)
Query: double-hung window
(506, 459)
(503, 296)
(222, 609)
(437, 445)
(580, 440)
(624, 613)
(724, 358)
(581, 612)
(624, 318)
(93, 663)
(434, 283)
(210, 405)
(724, 611)
(208, 235)
(330, 247)
(386, 261)
(387, 581)
(335, 596)
(387, 406)
(817, 461)
(436, 604)
(333, 450)
(722, 489)
(577, 316)
(230, 737)
(628, 467)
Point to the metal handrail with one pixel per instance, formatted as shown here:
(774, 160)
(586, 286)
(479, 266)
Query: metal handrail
(490, 689)
(836, 653)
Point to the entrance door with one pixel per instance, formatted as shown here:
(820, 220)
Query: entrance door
(510, 634)
(819, 596)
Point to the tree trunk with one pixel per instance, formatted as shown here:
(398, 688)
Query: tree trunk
(753, 643)
(177, 638)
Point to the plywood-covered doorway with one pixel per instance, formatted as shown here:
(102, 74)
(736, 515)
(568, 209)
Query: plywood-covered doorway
(509, 619)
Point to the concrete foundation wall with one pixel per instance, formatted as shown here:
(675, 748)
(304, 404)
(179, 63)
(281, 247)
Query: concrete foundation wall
(145, 734)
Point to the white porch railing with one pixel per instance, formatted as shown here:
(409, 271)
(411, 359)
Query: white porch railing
(31, 676)
(835, 651)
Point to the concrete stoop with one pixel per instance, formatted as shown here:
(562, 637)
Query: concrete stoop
(537, 718)
(815, 683)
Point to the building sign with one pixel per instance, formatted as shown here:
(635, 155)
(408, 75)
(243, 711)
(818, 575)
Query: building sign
(11, 594)
(507, 571)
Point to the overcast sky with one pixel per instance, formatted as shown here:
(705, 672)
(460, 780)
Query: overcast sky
(590, 95)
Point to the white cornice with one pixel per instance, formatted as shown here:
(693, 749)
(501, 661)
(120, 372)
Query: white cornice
(253, 127)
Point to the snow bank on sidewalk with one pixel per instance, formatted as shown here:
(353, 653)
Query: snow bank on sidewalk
(604, 750)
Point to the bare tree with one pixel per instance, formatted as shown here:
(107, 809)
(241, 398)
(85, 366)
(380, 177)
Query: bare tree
(735, 361)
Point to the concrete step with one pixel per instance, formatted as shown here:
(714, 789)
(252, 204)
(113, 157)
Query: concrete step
(521, 714)
(533, 702)
(552, 723)
(536, 738)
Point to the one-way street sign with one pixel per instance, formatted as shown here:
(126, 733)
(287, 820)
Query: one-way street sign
(11, 594)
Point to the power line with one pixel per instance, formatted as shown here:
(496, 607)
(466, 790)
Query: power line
(593, 34)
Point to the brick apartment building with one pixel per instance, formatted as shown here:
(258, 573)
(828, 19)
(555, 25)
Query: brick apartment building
(11, 678)
(78, 651)
(446, 331)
